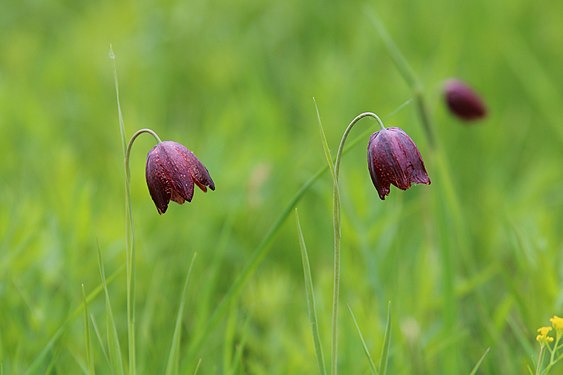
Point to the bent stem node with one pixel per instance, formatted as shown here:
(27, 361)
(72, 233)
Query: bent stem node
(338, 235)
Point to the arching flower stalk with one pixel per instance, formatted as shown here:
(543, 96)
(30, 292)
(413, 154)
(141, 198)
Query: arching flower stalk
(171, 172)
(393, 158)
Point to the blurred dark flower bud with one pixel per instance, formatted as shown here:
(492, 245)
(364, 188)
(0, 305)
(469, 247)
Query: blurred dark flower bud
(463, 102)
(172, 170)
(393, 158)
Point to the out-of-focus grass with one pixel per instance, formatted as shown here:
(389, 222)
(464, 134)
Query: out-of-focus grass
(233, 81)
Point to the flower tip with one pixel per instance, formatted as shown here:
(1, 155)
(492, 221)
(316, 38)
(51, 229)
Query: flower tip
(462, 101)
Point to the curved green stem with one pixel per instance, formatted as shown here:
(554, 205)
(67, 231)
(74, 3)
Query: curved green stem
(130, 251)
(338, 236)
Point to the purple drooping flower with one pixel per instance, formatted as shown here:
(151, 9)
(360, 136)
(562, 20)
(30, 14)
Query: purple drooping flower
(172, 170)
(393, 158)
(463, 102)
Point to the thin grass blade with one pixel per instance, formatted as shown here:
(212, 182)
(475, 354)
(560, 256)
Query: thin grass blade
(100, 340)
(129, 229)
(113, 58)
(241, 345)
(89, 352)
(114, 349)
(478, 364)
(197, 366)
(386, 342)
(366, 350)
(309, 292)
(326, 148)
(229, 340)
(173, 357)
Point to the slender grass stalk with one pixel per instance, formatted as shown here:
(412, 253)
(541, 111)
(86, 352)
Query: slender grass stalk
(384, 360)
(479, 362)
(173, 358)
(113, 58)
(114, 348)
(197, 366)
(372, 367)
(89, 353)
(326, 148)
(100, 340)
(129, 227)
(229, 340)
(310, 294)
(336, 222)
(237, 361)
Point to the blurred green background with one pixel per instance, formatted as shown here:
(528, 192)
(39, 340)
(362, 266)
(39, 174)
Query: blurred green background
(471, 262)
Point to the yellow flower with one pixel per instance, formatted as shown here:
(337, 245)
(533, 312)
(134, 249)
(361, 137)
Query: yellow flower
(557, 322)
(543, 337)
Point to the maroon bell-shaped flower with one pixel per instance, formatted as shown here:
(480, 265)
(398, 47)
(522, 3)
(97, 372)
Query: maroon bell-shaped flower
(172, 170)
(463, 102)
(393, 158)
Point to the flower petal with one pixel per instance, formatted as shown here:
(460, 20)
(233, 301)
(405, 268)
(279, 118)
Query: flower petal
(381, 184)
(178, 171)
(199, 173)
(157, 181)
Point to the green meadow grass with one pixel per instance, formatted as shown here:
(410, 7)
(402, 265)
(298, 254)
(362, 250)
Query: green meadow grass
(469, 266)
